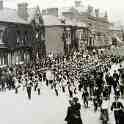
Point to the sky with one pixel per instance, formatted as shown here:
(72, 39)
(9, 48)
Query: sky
(114, 8)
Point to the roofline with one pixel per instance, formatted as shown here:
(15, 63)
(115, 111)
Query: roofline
(99, 19)
(15, 23)
(65, 26)
(115, 30)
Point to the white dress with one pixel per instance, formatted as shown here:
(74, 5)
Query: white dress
(105, 104)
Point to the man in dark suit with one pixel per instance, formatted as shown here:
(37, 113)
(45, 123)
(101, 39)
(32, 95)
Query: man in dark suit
(117, 106)
(29, 87)
(73, 114)
(116, 75)
(77, 114)
(69, 117)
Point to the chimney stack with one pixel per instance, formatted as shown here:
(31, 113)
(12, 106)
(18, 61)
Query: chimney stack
(77, 3)
(1, 4)
(52, 11)
(90, 10)
(97, 12)
(23, 11)
(106, 15)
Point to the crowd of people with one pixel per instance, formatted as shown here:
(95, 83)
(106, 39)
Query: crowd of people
(85, 74)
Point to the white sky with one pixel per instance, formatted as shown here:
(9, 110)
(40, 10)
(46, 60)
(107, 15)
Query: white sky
(115, 8)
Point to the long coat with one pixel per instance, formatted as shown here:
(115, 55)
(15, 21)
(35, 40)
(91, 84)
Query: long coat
(73, 115)
(77, 114)
(69, 117)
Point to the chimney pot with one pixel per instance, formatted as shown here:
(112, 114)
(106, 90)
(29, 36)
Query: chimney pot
(90, 10)
(23, 10)
(52, 11)
(97, 12)
(106, 15)
(1, 4)
(77, 3)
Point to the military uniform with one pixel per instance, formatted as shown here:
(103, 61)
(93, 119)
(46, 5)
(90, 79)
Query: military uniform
(29, 86)
(117, 107)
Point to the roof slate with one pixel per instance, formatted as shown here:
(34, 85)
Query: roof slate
(10, 15)
(50, 20)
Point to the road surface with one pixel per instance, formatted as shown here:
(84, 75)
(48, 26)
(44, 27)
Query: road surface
(44, 109)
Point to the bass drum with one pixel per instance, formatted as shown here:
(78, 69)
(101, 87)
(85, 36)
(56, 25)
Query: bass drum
(49, 75)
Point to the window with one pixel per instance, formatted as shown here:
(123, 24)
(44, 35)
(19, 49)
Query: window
(25, 36)
(1, 35)
(82, 35)
(114, 41)
(5, 59)
(22, 55)
(18, 37)
(68, 37)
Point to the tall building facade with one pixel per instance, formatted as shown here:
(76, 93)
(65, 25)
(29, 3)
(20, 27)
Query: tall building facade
(73, 36)
(98, 24)
(18, 33)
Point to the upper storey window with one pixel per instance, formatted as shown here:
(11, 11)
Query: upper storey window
(1, 35)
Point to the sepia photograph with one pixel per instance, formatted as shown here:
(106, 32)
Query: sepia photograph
(61, 62)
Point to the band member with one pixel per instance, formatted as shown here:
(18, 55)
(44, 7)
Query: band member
(73, 114)
(95, 103)
(16, 83)
(85, 96)
(38, 86)
(116, 75)
(117, 107)
(104, 110)
(121, 83)
(69, 117)
(29, 87)
(77, 114)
